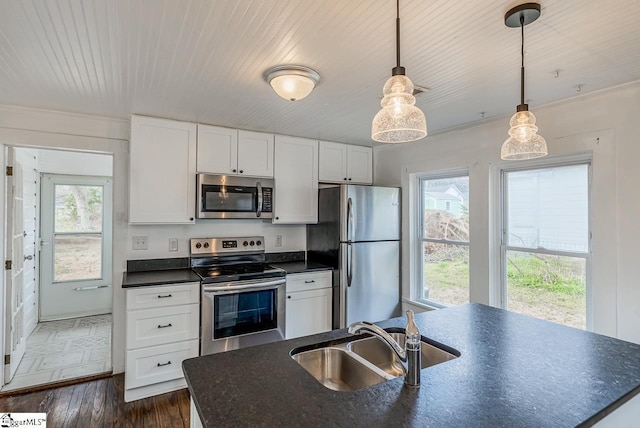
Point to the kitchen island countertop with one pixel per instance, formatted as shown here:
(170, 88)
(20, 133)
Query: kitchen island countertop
(513, 371)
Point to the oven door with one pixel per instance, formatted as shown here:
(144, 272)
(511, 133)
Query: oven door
(241, 314)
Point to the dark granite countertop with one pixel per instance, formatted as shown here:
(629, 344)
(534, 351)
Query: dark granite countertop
(513, 371)
(158, 277)
(300, 266)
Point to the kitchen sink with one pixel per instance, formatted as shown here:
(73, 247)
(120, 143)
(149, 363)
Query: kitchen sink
(378, 353)
(338, 369)
(362, 362)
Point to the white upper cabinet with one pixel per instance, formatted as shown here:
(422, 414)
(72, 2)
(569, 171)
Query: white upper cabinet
(296, 180)
(255, 153)
(162, 171)
(345, 163)
(217, 150)
(232, 152)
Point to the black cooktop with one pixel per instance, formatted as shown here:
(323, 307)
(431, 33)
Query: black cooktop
(237, 272)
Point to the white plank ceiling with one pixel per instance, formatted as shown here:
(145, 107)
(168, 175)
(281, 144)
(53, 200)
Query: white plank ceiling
(203, 60)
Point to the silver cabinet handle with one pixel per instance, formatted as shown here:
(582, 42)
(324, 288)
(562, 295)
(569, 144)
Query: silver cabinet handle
(310, 282)
(29, 257)
(259, 187)
(164, 297)
(165, 326)
(164, 364)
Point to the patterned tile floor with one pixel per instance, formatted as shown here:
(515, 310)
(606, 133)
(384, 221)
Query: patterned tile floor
(65, 349)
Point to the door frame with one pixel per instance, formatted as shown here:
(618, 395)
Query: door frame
(79, 142)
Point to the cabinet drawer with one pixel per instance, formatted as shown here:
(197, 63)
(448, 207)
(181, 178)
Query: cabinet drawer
(308, 281)
(158, 326)
(168, 295)
(158, 363)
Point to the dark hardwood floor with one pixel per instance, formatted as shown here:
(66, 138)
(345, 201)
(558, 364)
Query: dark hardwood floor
(100, 403)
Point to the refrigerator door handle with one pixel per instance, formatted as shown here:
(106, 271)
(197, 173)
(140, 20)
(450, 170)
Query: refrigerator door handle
(349, 264)
(350, 223)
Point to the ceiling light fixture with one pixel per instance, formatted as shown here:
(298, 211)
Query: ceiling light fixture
(292, 82)
(399, 120)
(524, 141)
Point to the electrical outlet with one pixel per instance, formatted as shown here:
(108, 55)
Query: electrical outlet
(173, 244)
(140, 242)
(278, 241)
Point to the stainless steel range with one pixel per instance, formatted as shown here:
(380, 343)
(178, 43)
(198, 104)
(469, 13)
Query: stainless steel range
(243, 298)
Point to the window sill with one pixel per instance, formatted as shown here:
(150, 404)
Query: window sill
(422, 305)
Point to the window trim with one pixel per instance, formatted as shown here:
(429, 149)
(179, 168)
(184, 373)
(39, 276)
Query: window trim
(577, 159)
(419, 240)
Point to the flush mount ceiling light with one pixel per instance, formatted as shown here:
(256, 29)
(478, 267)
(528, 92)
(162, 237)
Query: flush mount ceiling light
(399, 120)
(524, 141)
(292, 82)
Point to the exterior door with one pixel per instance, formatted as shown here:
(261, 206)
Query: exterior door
(75, 247)
(14, 335)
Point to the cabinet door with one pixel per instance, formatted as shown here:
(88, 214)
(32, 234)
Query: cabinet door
(308, 312)
(255, 154)
(296, 180)
(217, 150)
(162, 171)
(333, 162)
(360, 168)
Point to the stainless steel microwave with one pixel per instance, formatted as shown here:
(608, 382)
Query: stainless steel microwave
(224, 196)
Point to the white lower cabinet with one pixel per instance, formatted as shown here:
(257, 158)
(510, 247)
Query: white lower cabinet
(162, 331)
(309, 300)
(194, 418)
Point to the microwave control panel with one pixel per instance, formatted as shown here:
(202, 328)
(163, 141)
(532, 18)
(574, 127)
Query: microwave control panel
(267, 199)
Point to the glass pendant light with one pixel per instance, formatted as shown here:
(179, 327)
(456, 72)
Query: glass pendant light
(524, 141)
(399, 120)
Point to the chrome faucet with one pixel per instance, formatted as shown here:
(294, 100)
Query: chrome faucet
(409, 357)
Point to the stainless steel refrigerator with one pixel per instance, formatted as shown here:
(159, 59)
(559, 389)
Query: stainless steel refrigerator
(358, 234)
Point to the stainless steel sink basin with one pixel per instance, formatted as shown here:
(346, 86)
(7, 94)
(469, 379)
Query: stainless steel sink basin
(376, 352)
(337, 369)
(361, 363)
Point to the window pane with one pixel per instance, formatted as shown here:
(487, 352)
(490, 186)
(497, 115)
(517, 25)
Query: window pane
(446, 273)
(77, 257)
(548, 287)
(78, 208)
(548, 208)
(445, 205)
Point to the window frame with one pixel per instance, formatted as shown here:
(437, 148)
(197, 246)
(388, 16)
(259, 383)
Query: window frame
(418, 250)
(503, 248)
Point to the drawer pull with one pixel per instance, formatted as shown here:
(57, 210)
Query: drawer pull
(165, 326)
(164, 297)
(164, 364)
(310, 282)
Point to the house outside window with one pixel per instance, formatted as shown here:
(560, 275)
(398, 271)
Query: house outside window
(443, 253)
(545, 251)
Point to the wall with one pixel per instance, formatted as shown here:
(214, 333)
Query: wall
(293, 237)
(603, 126)
(74, 163)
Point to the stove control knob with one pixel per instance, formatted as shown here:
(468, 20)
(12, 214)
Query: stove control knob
(245, 243)
(252, 243)
(198, 245)
(258, 242)
(206, 245)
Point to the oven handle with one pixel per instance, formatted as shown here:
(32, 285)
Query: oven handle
(241, 285)
(259, 211)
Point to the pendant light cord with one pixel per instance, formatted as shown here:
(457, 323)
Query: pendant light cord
(397, 33)
(522, 61)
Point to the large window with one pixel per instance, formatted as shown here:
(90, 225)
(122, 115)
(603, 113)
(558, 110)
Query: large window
(545, 243)
(444, 240)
